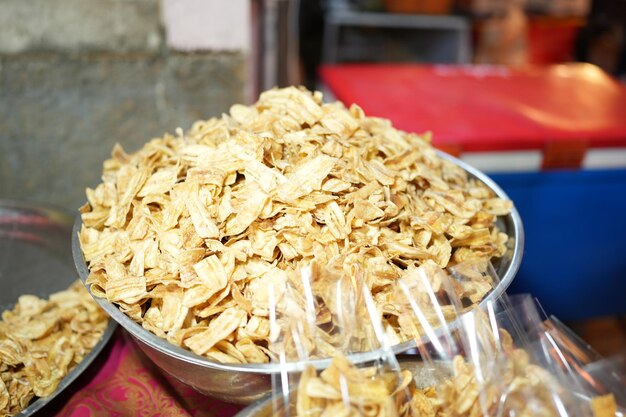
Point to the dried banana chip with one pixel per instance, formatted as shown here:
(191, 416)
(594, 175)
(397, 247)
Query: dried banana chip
(604, 406)
(307, 177)
(219, 329)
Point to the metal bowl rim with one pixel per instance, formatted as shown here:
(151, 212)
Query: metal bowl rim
(162, 345)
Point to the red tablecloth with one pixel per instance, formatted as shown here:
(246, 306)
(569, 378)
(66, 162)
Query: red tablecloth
(487, 108)
(123, 382)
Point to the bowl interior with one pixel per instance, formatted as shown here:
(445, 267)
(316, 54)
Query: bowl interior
(34, 251)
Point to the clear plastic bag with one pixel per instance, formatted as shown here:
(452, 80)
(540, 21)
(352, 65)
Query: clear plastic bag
(502, 359)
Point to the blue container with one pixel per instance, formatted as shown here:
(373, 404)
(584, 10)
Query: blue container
(575, 252)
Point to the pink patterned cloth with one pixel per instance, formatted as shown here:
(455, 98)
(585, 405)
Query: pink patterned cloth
(123, 382)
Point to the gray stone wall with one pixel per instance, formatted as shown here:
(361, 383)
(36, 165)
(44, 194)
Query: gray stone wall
(77, 76)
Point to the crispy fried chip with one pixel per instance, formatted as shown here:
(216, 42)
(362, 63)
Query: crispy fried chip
(307, 177)
(604, 406)
(507, 384)
(42, 340)
(241, 203)
(219, 328)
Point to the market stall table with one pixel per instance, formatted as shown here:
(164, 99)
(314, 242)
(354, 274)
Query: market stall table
(557, 117)
(570, 107)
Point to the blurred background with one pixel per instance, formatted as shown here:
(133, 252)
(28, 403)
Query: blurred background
(507, 32)
(500, 83)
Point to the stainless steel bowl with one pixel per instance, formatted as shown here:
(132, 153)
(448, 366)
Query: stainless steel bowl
(35, 258)
(246, 383)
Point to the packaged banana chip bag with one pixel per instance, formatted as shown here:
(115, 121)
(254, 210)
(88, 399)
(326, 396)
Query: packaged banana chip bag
(504, 358)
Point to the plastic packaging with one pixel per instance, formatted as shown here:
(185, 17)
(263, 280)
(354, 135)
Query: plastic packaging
(503, 359)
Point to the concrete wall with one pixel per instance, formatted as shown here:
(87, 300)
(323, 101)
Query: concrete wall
(76, 76)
